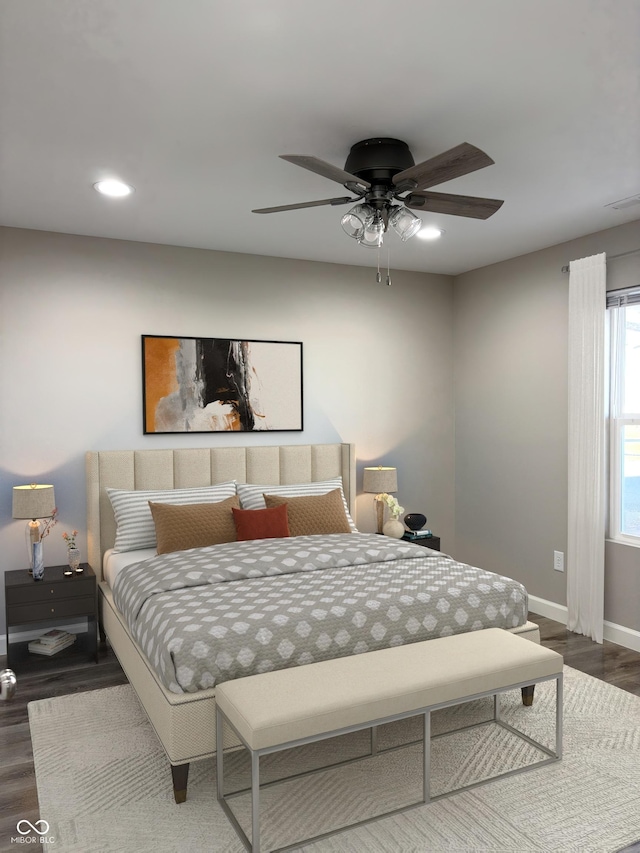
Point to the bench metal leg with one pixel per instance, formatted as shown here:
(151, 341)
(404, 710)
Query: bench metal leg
(220, 782)
(255, 802)
(559, 699)
(426, 755)
(219, 758)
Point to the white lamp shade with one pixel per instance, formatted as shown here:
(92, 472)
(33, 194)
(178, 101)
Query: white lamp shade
(33, 501)
(379, 480)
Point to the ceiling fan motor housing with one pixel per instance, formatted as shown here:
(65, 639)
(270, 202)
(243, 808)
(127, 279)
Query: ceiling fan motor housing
(378, 160)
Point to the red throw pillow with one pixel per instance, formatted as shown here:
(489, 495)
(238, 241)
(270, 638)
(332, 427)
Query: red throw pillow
(261, 523)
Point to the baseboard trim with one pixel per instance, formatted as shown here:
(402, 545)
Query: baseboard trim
(618, 634)
(549, 609)
(621, 636)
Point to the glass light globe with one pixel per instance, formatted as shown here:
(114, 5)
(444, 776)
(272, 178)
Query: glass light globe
(405, 223)
(356, 220)
(372, 234)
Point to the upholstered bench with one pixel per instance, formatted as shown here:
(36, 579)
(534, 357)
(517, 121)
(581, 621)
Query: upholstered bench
(291, 707)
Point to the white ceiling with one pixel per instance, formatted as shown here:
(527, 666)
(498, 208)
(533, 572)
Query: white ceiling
(192, 101)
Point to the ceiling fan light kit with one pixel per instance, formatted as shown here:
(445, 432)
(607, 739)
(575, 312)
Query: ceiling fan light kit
(380, 172)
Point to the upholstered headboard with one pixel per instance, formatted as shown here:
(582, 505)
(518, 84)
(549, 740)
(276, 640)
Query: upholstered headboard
(188, 468)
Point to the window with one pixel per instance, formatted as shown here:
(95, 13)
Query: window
(624, 424)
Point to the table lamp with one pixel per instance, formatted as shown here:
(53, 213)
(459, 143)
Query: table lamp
(380, 480)
(33, 502)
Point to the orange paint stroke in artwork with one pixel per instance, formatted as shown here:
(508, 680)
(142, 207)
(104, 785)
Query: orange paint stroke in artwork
(159, 373)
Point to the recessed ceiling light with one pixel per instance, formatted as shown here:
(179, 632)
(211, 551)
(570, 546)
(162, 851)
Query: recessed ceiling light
(430, 232)
(115, 189)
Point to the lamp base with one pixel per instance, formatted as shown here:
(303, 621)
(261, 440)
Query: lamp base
(32, 537)
(38, 561)
(380, 515)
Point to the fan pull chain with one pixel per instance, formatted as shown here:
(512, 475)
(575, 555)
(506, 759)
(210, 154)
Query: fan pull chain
(388, 271)
(378, 274)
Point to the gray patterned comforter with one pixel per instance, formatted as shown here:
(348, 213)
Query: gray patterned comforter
(212, 614)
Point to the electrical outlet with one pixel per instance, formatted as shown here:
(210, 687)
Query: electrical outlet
(558, 561)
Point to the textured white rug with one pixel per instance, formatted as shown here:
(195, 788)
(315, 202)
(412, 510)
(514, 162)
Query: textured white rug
(104, 783)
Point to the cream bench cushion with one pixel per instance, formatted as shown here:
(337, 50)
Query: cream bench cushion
(279, 707)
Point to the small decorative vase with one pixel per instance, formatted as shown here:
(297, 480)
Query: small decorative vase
(74, 559)
(38, 561)
(394, 528)
(415, 520)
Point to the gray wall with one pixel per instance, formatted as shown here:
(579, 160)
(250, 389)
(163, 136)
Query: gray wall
(381, 366)
(510, 376)
(377, 362)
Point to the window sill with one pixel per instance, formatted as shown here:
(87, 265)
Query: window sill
(623, 542)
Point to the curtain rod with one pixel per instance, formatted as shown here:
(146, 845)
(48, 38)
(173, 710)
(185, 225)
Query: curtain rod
(609, 258)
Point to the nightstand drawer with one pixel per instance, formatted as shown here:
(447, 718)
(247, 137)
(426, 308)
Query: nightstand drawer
(20, 614)
(42, 591)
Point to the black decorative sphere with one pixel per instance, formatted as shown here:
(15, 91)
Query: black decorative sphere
(415, 520)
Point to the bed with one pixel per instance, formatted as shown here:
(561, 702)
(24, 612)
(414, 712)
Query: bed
(182, 710)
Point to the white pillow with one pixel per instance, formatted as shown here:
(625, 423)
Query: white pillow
(252, 495)
(135, 527)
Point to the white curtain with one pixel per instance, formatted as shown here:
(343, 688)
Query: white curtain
(585, 545)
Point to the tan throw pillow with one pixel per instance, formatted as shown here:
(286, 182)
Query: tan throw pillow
(179, 528)
(313, 514)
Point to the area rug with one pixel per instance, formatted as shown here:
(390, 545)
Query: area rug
(104, 782)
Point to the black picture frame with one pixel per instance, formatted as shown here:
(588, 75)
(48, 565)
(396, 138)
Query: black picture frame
(205, 385)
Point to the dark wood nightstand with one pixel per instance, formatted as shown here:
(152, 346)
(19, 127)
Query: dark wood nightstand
(427, 541)
(54, 598)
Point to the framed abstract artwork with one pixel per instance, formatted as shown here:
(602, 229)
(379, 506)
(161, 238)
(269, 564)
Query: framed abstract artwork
(220, 385)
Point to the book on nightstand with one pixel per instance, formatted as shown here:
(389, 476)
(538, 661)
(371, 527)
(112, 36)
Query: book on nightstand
(55, 636)
(417, 534)
(51, 642)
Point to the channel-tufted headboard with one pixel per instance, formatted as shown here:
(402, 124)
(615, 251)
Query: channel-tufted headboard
(188, 468)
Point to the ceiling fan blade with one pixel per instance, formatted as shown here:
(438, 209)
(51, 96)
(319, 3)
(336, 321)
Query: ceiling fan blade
(332, 201)
(454, 205)
(327, 170)
(458, 161)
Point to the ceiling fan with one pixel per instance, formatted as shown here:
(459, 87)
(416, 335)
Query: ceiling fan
(382, 171)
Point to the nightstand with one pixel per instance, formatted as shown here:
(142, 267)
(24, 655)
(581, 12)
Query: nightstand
(52, 599)
(426, 541)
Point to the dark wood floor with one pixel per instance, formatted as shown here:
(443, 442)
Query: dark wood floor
(18, 797)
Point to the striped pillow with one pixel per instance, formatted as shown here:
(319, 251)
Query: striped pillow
(135, 528)
(252, 496)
